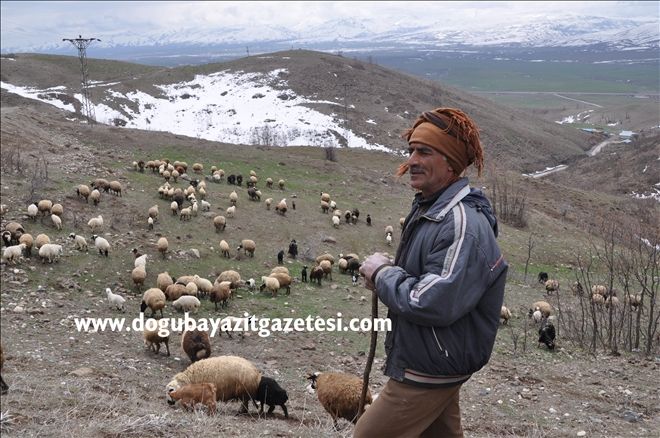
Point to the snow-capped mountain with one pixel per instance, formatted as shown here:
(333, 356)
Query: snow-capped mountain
(567, 31)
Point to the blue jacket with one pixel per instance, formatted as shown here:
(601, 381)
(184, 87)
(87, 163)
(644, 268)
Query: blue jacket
(445, 291)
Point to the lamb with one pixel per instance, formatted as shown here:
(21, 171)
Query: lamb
(233, 377)
(268, 202)
(220, 293)
(219, 222)
(95, 223)
(56, 221)
(152, 340)
(196, 344)
(339, 394)
(50, 251)
(551, 286)
(335, 221)
(388, 239)
(14, 253)
(231, 211)
(162, 245)
(101, 244)
(198, 393)
(95, 196)
(83, 191)
(248, 246)
(505, 315)
(115, 299)
(205, 205)
(153, 298)
(81, 243)
(187, 303)
(224, 248)
(271, 393)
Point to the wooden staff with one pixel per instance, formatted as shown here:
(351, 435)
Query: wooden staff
(372, 353)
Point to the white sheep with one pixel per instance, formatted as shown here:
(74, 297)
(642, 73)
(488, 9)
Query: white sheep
(224, 248)
(248, 246)
(32, 211)
(153, 298)
(115, 300)
(205, 205)
(150, 223)
(95, 196)
(162, 245)
(231, 211)
(186, 303)
(270, 283)
(101, 244)
(185, 213)
(13, 253)
(96, 223)
(56, 221)
(505, 315)
(174, 206)
(219, 222)
(233, 377)
(233, 197)
(50, 251)
(335, 221)
(81, 243)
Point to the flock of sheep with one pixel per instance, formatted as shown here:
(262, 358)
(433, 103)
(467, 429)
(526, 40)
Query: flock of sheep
(208, 379)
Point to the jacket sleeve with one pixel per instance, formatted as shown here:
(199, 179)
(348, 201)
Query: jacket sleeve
(453, 282)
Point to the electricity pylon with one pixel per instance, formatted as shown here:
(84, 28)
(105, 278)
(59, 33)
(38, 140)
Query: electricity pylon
(81, 44)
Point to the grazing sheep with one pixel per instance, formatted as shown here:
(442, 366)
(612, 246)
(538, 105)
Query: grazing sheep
(268, 202)
(281, 207)
(3, 385)
(224, 248)
(220, 293)
(185, 214)
(101, 244)
(12, 254)
(250, 283)
(187, 303)
(543, 277)
(303, 274)
(175, 291)
(163, 280)
(389, 230)
(280, 269)
(233, 197)
(199, 393)
(219, 222)
(56, 221)
(635, 301)
(153, 212)
(150, 223)
(153, 298)
(599, 289)
(231, 276)
(284, 280)
(28, 241)
(542, 306)
(547, 335)
(139, 275)
(325, 207)
(248, 246)
(577, 289)
(205, 205)
(95, 223)
(198, 168)
(57, 209)
(101, 184)
(115, 188)
(537, 316)
(140, 259)
(339, 394)
(162, 245)
(326, 256)
(551, 286)
(95, 196)
(233, 377)
(152, 341)
(231, 211)
(272, 394)
(15, 231)
(41, 240)
(316, 274)
(203, 285)
(505, 315)
(174, 207)
(325, 197)
(388, 239)
(281, 184)
(32, 211)
(196, 344)
(269, 183)
(51, 252)
(270, 283)
(83, 191)
(335, 221)
(611, 301)
(115, 300)
(44, 206)
(327, 268)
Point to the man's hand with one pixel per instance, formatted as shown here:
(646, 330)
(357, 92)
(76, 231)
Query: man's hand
(371, 265)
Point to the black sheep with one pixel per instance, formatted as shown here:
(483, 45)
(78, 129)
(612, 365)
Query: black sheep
(231, 179)
(543, 277)
(272, 394)
(293, 249)
(280, 257)
(369, 220)
(303, 274)
(547, 335)
(239, 180)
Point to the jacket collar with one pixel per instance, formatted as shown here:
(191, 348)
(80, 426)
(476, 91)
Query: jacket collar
(449, 197)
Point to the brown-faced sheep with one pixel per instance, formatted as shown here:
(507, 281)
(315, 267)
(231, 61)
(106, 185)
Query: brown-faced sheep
(199, 393)
(505, 315)
(233, 377)
(83, 191)
(551, 286)
(154, 299)
(196, 344)
(163, 280)
(139, 275)
(248, 246)
(543, 307)
(152, 341)
(162, 245)
(339, 394)
(220, 293)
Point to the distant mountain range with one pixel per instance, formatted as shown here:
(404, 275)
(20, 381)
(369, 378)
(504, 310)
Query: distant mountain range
(353, 34)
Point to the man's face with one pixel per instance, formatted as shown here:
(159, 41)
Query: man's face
(429, 170)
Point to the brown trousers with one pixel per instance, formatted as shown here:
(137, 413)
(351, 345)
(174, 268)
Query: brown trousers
(403, 410)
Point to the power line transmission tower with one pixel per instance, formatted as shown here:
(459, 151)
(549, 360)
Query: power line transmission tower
(81, 44)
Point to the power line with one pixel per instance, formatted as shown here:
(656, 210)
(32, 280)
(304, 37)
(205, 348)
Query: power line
(81, 44)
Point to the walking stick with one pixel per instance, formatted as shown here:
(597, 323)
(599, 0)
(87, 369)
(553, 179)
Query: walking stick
(372, 353)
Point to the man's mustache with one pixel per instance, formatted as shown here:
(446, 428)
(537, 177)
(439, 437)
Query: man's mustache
(416, 169)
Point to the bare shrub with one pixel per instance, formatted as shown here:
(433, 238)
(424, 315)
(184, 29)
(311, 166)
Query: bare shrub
(509, 201)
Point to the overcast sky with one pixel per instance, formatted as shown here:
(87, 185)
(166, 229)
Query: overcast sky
(26, 24)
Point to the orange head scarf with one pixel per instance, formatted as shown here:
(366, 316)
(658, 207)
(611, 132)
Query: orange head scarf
(452, 133)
